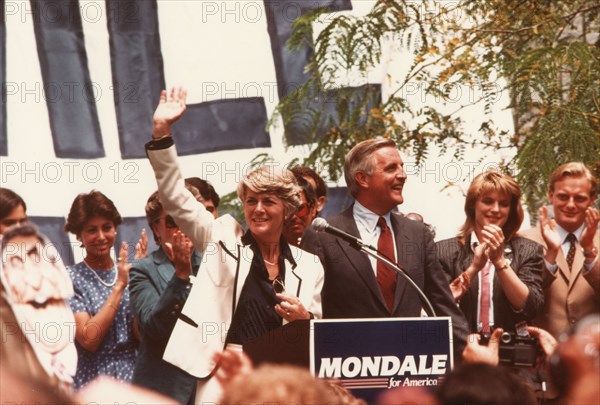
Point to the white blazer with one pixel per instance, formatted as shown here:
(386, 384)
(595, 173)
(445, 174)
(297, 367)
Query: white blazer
(206, 316)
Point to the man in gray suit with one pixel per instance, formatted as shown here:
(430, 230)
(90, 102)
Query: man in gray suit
(355, 285)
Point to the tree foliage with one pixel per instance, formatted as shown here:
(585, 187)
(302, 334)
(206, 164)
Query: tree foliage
(544, 53)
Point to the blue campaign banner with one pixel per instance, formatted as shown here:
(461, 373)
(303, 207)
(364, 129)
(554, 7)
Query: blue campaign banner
(371, 355)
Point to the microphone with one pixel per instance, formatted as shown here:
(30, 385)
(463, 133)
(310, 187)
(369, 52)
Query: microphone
(321, 225)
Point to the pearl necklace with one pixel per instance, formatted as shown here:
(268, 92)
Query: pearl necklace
(104, 283)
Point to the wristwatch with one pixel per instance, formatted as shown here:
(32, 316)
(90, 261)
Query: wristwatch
(590, 254)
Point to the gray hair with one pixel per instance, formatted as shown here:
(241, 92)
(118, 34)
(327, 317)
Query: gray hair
(360, 159)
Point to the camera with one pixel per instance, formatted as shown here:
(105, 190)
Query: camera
(516, 350)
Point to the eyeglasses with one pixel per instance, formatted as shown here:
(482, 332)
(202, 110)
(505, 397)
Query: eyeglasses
(278, 286)
(303, 210)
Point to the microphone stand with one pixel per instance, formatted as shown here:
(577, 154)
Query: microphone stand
(371, 251)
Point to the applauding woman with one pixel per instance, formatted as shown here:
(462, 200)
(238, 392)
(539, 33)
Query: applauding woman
(496, 276)
(104, 323)
(249, 282)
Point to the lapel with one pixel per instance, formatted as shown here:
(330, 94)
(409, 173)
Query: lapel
(244, 261)
(577, 265)
(509, 257)
(401, 237)
(359, 260)
(293, 281)
(465, 259)
(164, 270)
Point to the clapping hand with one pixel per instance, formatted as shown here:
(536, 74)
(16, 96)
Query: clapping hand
(592, 218)
(124, 266)
(493, 237)
(141, 248)
(550, 234)
(179, 252)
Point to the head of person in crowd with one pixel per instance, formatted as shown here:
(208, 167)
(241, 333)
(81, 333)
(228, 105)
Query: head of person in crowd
(415, 216)
(36, 286)
(484, 384)
(278, 385)
(93, 219)
(270, 195)
(493, 198)
(32, 271)
(163, 226)
(375, 176)
(575, 363)
(12, 209)
(317, 183)
(572, 190)
(302, 218)
(210, 198)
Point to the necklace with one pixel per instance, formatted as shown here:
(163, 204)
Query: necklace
(268, 262)
(104, 283)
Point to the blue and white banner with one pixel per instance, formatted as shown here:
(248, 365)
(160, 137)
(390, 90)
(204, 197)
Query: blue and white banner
(371, 355)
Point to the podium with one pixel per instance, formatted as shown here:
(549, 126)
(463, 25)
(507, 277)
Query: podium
(288, 344)
(365, 355)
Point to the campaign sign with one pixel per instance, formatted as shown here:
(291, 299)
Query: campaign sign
(371, 355)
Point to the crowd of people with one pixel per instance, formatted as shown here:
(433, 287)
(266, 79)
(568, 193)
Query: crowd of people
(142, 321)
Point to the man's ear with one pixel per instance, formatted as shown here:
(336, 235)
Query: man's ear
(361, 179)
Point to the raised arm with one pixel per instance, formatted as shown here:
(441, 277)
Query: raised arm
(190, 215)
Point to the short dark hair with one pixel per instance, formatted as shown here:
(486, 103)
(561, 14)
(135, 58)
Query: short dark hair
(301, 171)
(89, 205)
(9, 200)
(23, 229)
(207, 191)
(307, 188)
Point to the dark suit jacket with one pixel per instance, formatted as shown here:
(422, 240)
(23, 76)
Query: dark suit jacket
(351, 291)
(156, 297)
(526, 260)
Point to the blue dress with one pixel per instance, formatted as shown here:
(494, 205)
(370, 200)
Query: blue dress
(116, 354)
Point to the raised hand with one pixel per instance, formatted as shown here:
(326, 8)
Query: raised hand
(179, 252)
(141, 248)
(480, 257)
(550, 235)
(493, 237)
(123, 267)
(168, 111)
(232, 364)
(592, 218)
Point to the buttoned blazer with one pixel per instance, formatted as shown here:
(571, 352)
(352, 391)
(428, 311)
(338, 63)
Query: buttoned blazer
(524, 257)
(202, 327)
(570, 295)
(351, 290)
(156, 297)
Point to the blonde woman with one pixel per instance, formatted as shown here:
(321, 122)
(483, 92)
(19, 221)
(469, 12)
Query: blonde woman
(249, 282)
(495, 276)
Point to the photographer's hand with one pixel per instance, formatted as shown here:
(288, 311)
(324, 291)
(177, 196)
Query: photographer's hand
(477, 353)
(547, 341)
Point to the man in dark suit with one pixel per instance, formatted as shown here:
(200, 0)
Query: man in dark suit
(355, 285)
(159, 287)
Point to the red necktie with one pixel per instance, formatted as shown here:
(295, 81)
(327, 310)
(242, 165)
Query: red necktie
(484, 303)
(571, 253)
(386, 277)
